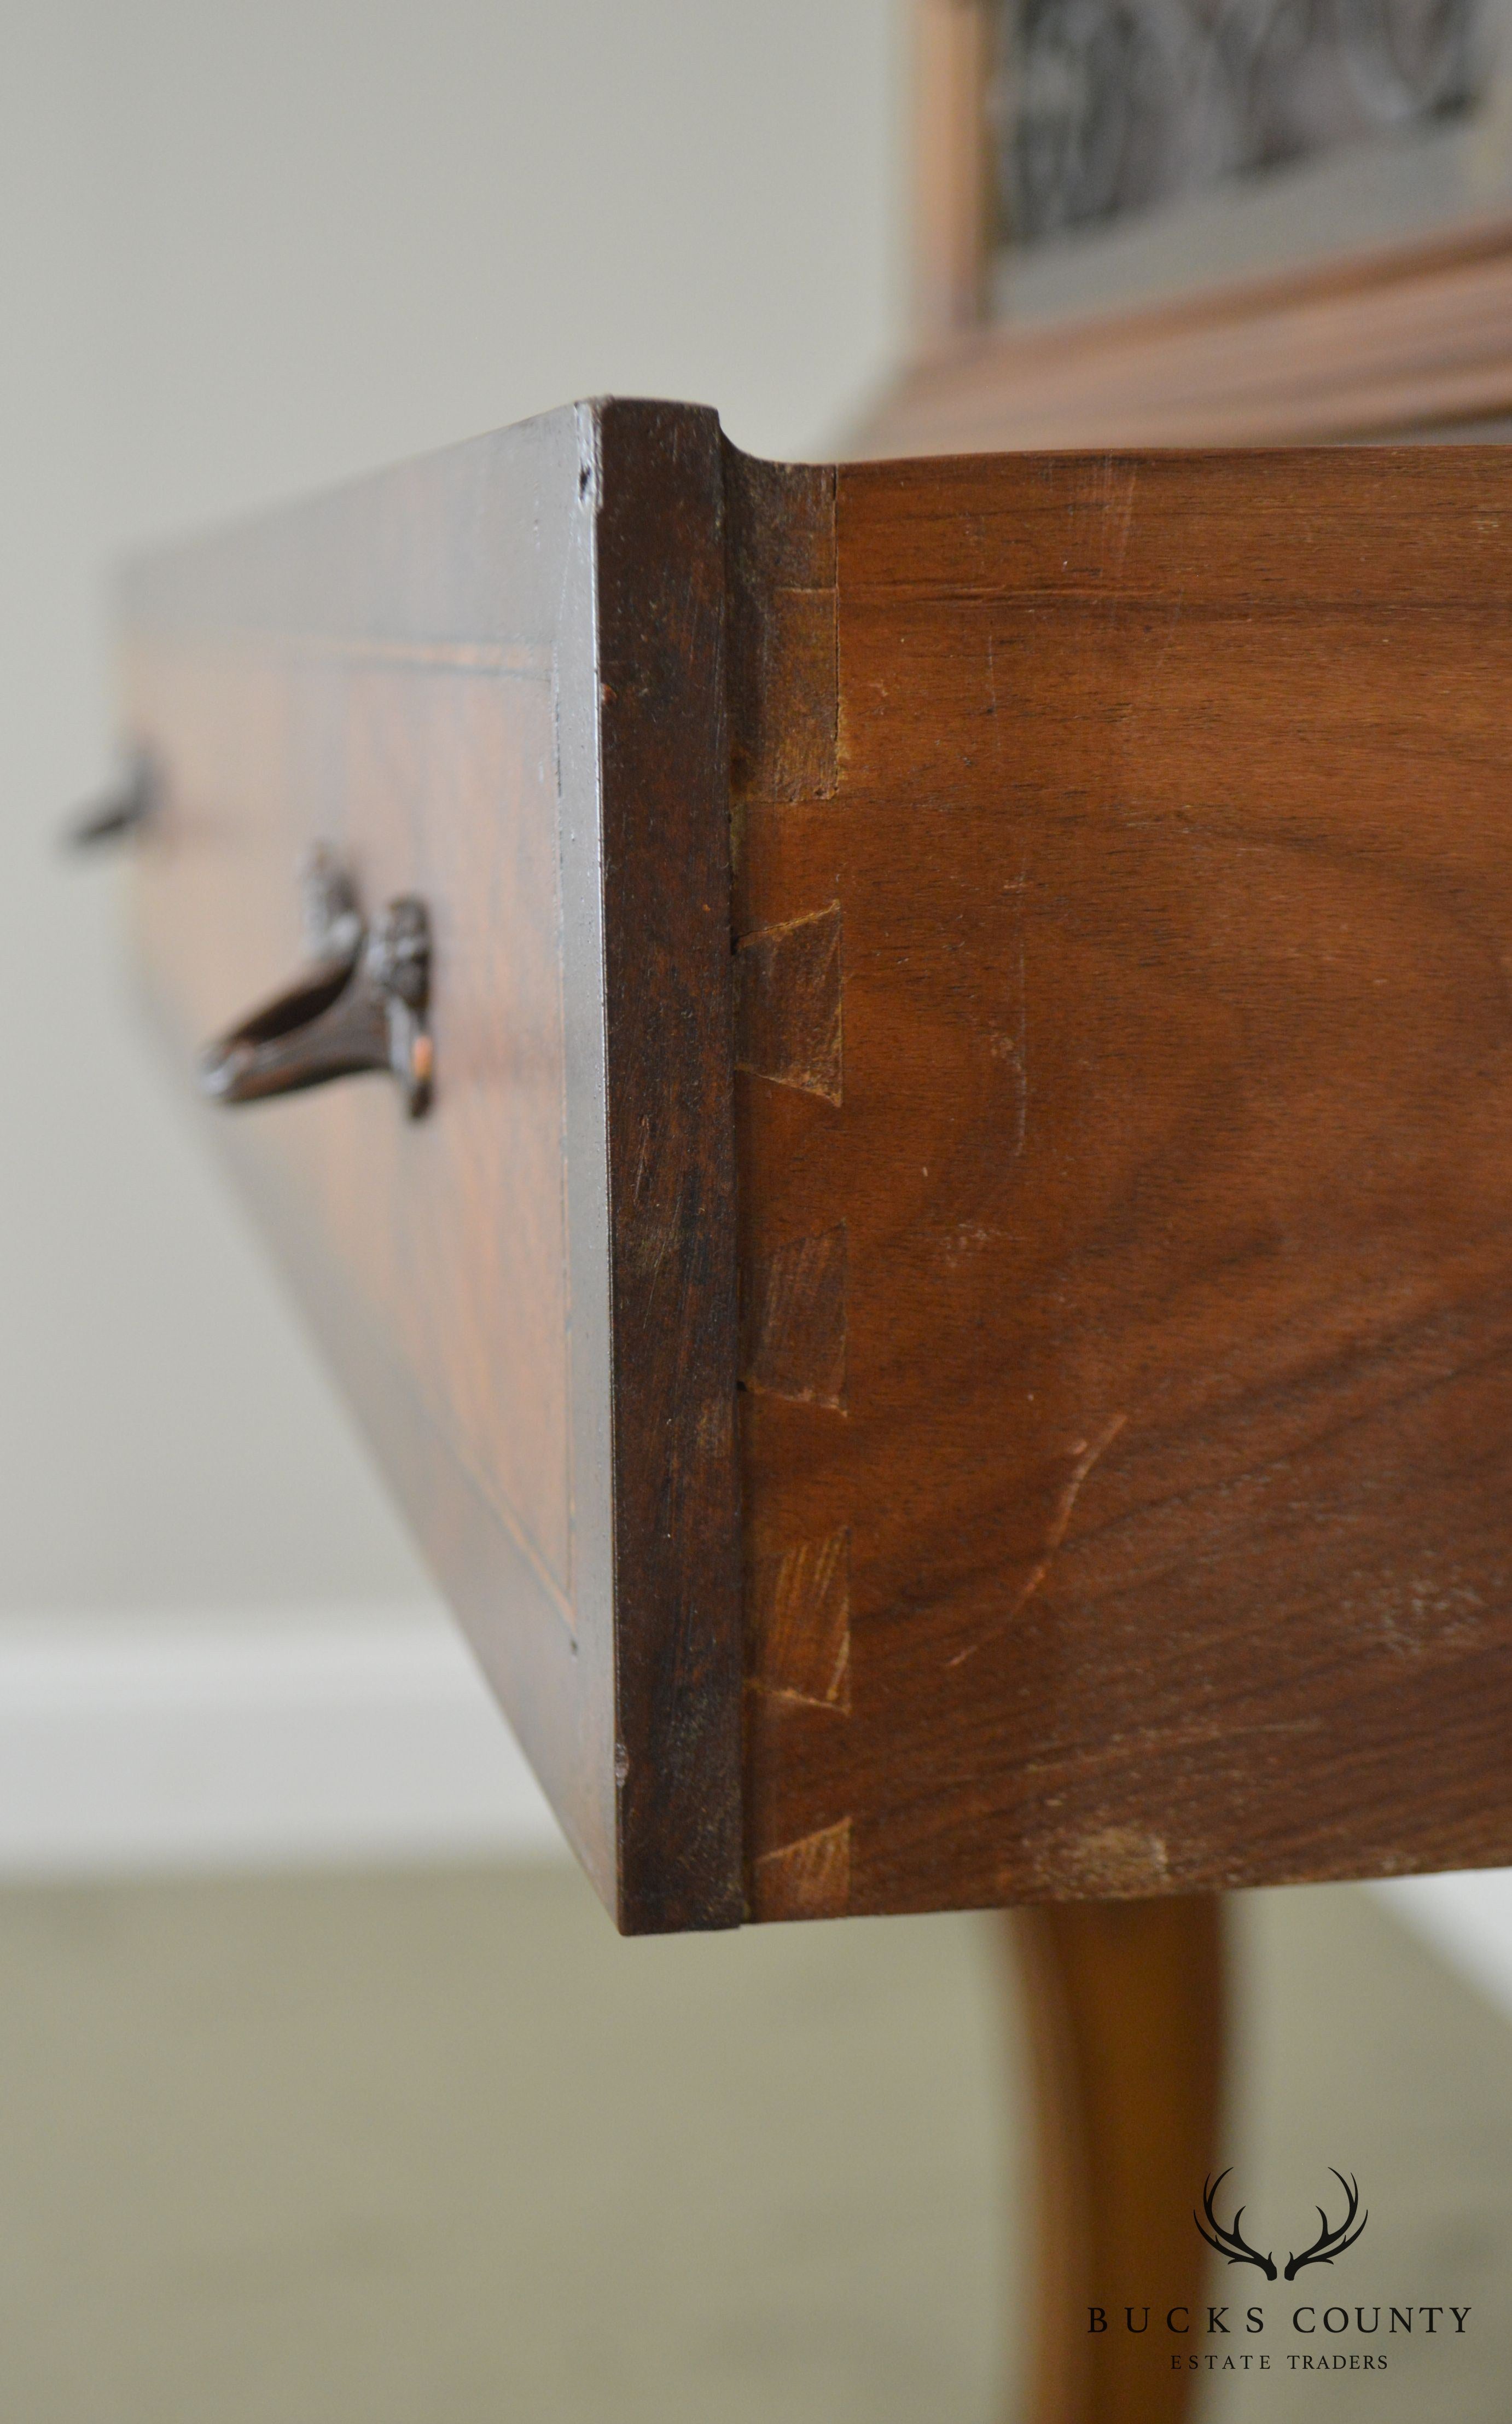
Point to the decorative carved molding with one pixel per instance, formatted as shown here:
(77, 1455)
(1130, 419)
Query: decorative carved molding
(1105, 108)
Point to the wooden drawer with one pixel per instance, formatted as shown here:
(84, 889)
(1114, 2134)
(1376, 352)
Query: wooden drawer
(962, 1351)
(495, 679)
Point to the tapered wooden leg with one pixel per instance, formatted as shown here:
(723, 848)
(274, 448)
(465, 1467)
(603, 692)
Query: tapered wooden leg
(1125, 2019)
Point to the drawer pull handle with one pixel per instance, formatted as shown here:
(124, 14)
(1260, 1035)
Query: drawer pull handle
(359, 1004)
(118, 812)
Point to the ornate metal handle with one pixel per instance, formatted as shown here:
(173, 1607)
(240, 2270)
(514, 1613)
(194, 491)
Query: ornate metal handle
(360, 1004)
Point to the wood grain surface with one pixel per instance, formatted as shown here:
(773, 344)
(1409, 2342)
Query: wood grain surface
(496, 678)
(1172, 848)
(1415, 338)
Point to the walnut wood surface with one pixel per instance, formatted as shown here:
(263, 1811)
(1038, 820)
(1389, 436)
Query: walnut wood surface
(1163, 1392)
(1401, 340)
(1124, 2003)
(496, 678)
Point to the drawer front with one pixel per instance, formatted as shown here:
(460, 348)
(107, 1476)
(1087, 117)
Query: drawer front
(486, 680)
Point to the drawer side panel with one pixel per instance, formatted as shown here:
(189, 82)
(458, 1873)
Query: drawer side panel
(1171, 860)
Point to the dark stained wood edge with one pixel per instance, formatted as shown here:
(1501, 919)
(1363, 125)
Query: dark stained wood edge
(670, 1068)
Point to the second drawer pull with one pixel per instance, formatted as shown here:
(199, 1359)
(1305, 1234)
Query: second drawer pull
(360, 1005)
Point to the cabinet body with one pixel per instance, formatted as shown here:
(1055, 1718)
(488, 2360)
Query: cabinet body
(948, 1333)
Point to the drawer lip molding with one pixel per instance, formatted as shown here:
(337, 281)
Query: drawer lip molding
(321, 675)
(670, 1065)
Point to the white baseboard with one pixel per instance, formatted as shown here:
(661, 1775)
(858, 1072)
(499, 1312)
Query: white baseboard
(1466, 1918)
(131, 1745)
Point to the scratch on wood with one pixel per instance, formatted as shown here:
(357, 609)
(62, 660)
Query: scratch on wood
(1011, 1043)
(798, 1621)
(1115, 483)
(642, 1162)
(1086, 1454)
(793, 1320)
(992, 697)
(1020, 1053)
(715, 1428)
(787, 1003)
(809, 1879)
(1021, 1021)
(1157, 1741)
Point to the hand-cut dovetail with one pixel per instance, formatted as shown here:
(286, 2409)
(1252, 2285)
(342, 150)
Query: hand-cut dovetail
(798, 1622)
(787, 1003)
(809, 1879)
(783, 687)
(793, 1322)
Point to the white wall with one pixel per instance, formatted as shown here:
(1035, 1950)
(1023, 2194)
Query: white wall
(244, 251)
